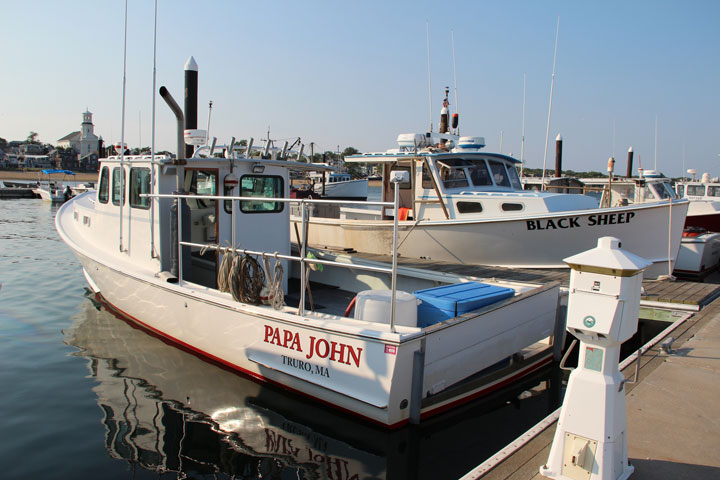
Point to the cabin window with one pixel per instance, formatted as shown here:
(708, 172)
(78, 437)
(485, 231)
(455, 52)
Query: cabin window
(696, 190)
(649, 194)
(469, 207)
(118, 185)
(514, 178)
(104, 190)
(664, 191)
(681, 190)
(427, 181)
(499, 173)
(512, 207)
(200, 182)
(452, 172)
(479, 174)
(713, 191)
(139, 184)
(268, 186)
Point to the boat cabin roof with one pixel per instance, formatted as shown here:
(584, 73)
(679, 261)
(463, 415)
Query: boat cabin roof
(165, 160)
(392, 157)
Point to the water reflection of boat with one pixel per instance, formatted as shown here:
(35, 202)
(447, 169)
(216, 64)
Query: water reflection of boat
(168, 410)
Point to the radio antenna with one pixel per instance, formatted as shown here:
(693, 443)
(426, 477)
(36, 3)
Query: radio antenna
(457, 105)
(552, 86)
(427, 35)
(522, 140)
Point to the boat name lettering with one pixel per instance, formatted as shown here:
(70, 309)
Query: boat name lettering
(573, 222)
(280, 443)
(319, 347)
(306, 366)
(610, 218)
(567, 222)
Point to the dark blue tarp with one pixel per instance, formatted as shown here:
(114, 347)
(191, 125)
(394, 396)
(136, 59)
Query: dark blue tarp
(66, 172)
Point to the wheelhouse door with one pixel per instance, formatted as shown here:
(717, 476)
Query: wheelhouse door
(203, 225)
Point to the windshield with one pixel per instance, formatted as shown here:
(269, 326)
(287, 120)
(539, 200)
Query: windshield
(455, 173)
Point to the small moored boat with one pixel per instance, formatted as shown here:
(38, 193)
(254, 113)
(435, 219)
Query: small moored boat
(54, 190)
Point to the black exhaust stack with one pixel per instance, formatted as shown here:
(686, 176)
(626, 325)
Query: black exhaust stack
(630, 163)
(558, 156)
(191, 100)
(184, 209)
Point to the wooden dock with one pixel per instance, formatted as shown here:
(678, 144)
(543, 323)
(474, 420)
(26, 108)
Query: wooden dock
(672, 413)
(14, 193)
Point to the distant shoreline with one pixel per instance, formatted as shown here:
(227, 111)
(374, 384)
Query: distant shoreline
(18, 175)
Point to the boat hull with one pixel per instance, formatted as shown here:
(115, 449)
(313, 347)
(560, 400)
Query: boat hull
(698, 256)
(348, 190)
(540, 241)
(276, 350)
(57, 197)
(704, 214)
(359, 367)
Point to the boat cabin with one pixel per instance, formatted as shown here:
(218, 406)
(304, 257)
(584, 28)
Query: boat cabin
(620, 191)
(259, 224)
(464, 184)
(699, 190)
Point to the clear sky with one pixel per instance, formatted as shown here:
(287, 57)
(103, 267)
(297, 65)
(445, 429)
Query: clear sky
(355, 73)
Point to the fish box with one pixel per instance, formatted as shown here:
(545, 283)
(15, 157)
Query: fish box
(449, 301)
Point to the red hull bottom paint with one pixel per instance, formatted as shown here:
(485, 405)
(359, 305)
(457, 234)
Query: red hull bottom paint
(540, 363)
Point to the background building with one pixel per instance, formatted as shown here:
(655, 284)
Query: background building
(84, 141)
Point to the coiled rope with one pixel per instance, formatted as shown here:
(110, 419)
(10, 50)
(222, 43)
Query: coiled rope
(246, 279)
(243, 277)
(224, 270)
(276, 295)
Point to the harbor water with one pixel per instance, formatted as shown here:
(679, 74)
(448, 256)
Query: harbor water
(86, 394)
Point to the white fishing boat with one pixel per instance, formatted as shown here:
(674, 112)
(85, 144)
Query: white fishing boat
(699, 252)
(613, 191)
(53, 190)
(704, 196)
(412, 349)
(463, 205)
(338, 185)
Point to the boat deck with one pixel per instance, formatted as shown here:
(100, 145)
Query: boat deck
(661, 298)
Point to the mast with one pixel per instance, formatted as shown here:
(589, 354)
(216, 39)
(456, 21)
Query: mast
(122, 134)
(656, 131)
(552, 87)
(152, 141)
(207, 133)
(456, 116)
(427, 34)
(522, 140)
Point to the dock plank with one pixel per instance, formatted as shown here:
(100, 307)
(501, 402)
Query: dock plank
(671, 411)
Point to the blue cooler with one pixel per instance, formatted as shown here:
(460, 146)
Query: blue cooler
(449, 301)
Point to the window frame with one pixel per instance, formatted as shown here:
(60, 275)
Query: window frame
(460, 205)
(122, 186)
(515, 207)
(136, 201)
(279, 206)
(104, 180)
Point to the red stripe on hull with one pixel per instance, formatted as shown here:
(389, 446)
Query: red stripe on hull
(543, 361)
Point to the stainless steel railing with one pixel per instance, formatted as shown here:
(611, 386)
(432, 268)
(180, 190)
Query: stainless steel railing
(302, 259)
